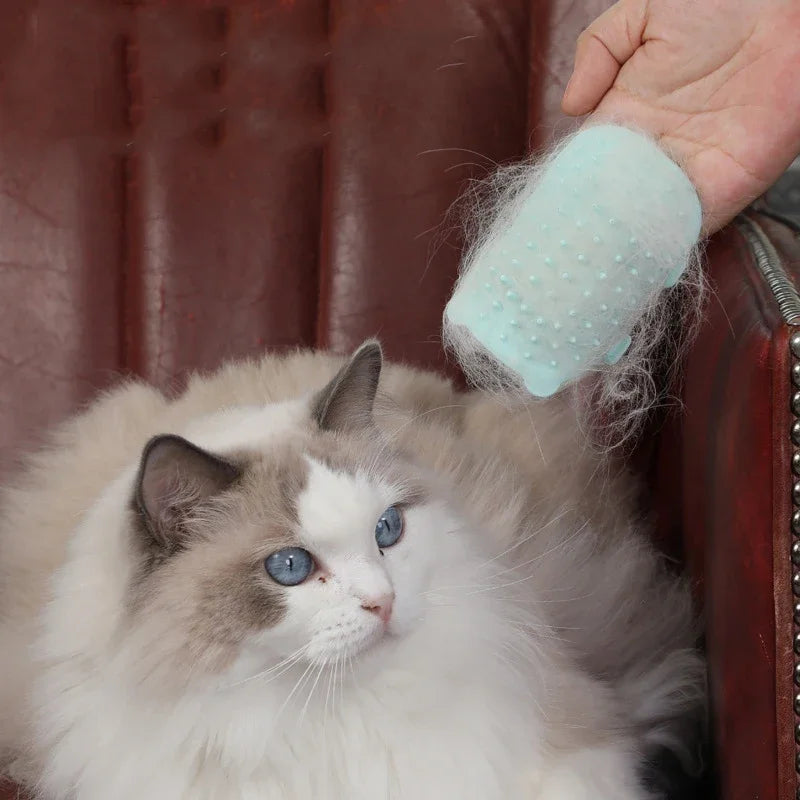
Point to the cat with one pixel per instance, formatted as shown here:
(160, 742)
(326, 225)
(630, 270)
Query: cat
(268, 587)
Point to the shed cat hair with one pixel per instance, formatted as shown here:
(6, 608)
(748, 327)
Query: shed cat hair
(613, 400)
(269, 587)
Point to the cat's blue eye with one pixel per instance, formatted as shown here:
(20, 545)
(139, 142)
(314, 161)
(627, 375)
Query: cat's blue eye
(389, 528)
(289, 566)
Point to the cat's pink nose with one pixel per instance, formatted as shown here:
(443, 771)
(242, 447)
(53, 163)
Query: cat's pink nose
(380, 606)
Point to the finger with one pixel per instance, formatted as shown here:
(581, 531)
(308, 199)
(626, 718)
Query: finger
(600, 52)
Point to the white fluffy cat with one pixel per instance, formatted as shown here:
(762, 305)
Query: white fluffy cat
(301, 592)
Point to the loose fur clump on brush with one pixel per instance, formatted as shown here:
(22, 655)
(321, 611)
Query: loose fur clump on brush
(613, 401)
(269, 588)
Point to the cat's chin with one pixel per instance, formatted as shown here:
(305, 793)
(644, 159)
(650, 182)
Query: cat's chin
(384, 652)
(369, 655)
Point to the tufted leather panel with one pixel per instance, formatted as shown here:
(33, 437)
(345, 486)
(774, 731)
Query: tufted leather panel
(60, 210)
(183, 181)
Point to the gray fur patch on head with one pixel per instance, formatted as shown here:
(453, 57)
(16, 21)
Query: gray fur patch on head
(196, 607)
(175, 476)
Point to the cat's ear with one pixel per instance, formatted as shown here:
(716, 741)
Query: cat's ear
(174, 477)
(346, 403)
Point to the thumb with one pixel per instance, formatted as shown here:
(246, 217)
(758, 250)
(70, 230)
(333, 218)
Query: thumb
(600, 52)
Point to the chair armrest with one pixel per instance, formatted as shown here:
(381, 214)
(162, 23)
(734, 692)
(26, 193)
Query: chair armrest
(727, 482)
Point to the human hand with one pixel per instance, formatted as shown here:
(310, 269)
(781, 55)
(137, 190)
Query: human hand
(717, 82)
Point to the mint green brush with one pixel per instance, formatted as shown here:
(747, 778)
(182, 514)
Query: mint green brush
(564, 274)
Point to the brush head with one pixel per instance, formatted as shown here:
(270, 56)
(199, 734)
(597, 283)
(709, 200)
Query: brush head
(568, 268)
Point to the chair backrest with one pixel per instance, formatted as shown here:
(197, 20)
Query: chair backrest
(184, 182)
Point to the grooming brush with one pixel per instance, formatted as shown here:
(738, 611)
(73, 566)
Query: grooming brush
(582, 251)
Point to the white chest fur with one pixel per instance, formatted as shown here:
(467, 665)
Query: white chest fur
(359, 743)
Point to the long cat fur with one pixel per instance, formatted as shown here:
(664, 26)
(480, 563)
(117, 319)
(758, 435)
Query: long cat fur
(551, 663)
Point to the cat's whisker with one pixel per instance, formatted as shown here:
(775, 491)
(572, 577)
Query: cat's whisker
(279, 668)
(528, 537)
(438, 604)
(335, 679)
(349, 666)
(333, 686)
(328, 697)
(319, 665)
(548, 552)
(436, 590)
(342, 678)
(541, 631)
(499, 586)
(297, 685)
(276, 669)
(272, 677)
(350, 661)
(391, 436)
(325, 747)
(570, 599)
(320, 670)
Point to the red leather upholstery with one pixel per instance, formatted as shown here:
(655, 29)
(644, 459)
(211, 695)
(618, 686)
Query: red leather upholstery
(183, 181)
(186, 181)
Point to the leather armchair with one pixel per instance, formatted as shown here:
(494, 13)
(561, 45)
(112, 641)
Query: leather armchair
(183, 181)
